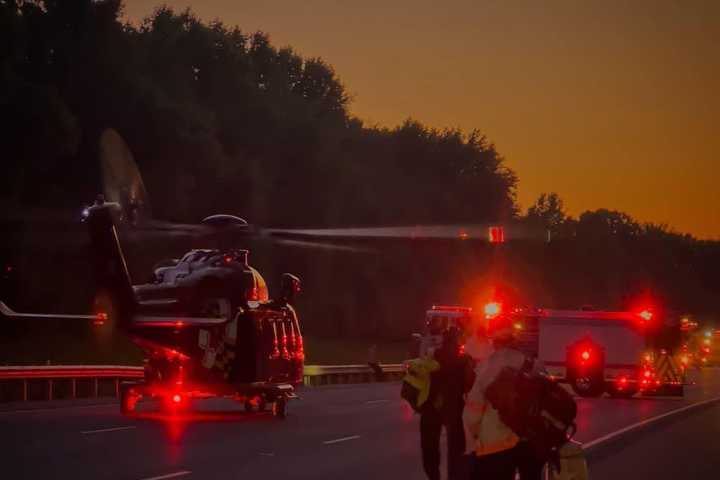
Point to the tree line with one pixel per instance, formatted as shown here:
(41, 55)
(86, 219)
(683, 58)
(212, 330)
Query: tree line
(219, 120)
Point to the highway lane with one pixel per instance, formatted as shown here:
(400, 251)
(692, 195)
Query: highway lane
(344, 431)
(686, 447)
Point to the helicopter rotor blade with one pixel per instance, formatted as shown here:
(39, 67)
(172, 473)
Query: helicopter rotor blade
(477, 232)
(121, 179)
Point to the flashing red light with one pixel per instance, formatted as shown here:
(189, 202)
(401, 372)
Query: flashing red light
(492, 309)
(176, 398)
(623, 380)
(706, 349)
(585, 355)
(646, 315)
(647, 373)
(100, 318)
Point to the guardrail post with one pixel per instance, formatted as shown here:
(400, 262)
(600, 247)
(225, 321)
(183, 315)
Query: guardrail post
(117, 388)
(96, 387)
(25, 390)
(73, 387)
(50, 389)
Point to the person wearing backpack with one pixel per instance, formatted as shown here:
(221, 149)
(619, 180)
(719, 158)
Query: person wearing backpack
(490, 442)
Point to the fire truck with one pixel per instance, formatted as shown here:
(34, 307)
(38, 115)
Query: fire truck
(596, 352)
(437, 320)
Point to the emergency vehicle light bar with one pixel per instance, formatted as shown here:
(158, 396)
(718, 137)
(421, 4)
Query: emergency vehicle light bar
(452, 308)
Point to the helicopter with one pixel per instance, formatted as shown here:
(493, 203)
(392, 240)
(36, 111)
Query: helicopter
(207, 327)
(205, 321)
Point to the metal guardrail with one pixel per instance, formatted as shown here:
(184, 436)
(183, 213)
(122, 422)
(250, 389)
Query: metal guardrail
(72, 381)
(330, 374)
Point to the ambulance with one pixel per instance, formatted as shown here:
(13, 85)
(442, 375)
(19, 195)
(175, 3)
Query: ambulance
(598, 352)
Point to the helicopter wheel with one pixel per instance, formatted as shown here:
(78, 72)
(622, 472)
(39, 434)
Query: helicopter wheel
(279, 408)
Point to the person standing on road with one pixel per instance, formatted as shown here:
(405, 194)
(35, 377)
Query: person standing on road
(444, 407)
(491, 443)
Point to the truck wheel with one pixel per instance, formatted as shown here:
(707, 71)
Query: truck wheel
(587, 387)
(618, 393)
(279, 409)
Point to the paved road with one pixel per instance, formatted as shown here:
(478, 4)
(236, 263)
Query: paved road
(686, 448)
(338, 432)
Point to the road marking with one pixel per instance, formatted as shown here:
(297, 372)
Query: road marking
(170, 475)
(343, 439)
(53, 409)
(648, 421)
(102, 430)
(370, 402)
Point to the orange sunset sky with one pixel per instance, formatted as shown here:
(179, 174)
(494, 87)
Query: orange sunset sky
(611, 104)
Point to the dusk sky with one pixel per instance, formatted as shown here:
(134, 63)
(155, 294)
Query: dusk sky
(611, 104)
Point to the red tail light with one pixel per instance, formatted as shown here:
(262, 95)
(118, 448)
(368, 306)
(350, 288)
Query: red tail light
(276, 349)
(176, 398)
(285, 353)
(300, 353)
(585, 355)
(646, 315)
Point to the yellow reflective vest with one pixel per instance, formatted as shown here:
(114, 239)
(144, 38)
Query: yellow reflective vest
(418, 375)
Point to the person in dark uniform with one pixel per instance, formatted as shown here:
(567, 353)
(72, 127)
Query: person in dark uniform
(444, 408)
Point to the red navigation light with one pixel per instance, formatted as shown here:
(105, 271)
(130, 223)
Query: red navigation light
(496, 234)
(176, 398)
(585, 355)
(646, 315)
(100, 319)
(227, 258)
(252, 294)
(492, 309)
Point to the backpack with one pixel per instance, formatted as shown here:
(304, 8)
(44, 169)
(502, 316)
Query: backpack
(415, 387)
(535, 408)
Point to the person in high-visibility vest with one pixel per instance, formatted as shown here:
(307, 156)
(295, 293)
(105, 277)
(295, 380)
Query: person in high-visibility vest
(443, 408)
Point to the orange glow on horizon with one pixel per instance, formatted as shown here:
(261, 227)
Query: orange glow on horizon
(609, 105)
